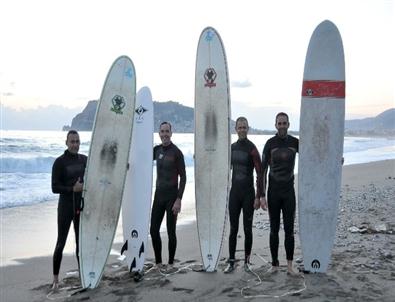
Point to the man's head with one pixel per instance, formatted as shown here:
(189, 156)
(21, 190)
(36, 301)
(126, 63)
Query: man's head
(165, 133)
(282, 124)
(242, 127)
(73, 141)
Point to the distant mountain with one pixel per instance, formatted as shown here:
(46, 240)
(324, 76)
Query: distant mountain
(181, 117)
(382, 124)
(52, 117)
(84, 121)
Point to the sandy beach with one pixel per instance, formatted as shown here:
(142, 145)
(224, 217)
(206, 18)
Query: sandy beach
(362, 268)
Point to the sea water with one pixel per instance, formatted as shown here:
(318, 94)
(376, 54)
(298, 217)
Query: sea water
(27, 158)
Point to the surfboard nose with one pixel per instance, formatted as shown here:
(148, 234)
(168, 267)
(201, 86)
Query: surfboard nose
(325, 54)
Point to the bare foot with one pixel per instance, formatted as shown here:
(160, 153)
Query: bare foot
(160, 266)
(171, 269)
(290, 270)
(273, 269)
(55, 285)
(292, 273)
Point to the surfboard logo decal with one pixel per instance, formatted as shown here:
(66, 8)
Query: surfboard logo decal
(141, 249)
(118, 103)
(209, 76)
(315, 264)
(209, 36)
(104, 182)
(324, 89)
(140, 111)
(129, 73)
(135, 234)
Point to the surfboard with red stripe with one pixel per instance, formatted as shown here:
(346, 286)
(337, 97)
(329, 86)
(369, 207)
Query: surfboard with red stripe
(321, 145)
(324, 89)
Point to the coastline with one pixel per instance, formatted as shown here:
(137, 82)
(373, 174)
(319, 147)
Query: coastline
(362, 267)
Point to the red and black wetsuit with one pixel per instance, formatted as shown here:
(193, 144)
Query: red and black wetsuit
(66, 171)
(169, 166)
(245, 157)
(280, 153)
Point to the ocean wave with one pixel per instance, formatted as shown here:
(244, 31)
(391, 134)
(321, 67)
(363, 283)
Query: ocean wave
(27, 165)
(365, 144)
(32, 201)
(20, 189)
(189, 161)
(21, 150)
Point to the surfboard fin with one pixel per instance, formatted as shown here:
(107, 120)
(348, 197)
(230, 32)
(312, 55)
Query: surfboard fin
(124, 247)
(141, 249)
(133, 265)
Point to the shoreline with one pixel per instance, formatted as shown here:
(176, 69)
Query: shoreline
(362, 268)
(189, 191)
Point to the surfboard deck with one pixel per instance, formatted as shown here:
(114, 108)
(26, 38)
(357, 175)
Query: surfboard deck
(212, 145)
(106, 170)
(136, 203)
(321, 145)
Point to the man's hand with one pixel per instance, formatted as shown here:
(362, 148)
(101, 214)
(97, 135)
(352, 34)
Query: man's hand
(78, 186)
(263, 203)
(177, 206)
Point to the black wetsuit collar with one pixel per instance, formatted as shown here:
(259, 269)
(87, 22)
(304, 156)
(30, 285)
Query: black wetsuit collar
(282, 138)
(243, 141)
(168, 146)
(69, 154)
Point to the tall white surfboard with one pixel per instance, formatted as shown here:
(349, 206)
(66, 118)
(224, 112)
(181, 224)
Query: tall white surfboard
(136, 203)
(212, 145)
(321, 145)
(106, 170)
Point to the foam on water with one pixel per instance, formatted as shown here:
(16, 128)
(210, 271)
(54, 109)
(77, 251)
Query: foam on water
(27, 158)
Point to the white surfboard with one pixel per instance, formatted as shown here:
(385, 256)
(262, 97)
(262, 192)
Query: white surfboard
(136, 203)
(106, 170)
(212, 145)
(321, 145)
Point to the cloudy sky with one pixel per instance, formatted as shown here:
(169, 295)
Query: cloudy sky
(56, 52)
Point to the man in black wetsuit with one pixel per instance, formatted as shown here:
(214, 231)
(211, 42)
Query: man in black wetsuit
(279, 153)
(67, 177)
(245, 157)
(170, 166)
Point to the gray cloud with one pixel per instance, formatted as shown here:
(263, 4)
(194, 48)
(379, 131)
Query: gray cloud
(241, 84)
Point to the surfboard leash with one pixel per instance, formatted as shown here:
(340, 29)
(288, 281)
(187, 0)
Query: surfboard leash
(246, 296)
(165, 274)
(74, 290)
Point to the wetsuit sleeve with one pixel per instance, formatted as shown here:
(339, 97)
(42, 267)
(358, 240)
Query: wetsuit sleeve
(297, 145)
(58, 187)
(154, 153)
(265, 166)
(258, 169)
(181, 171)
